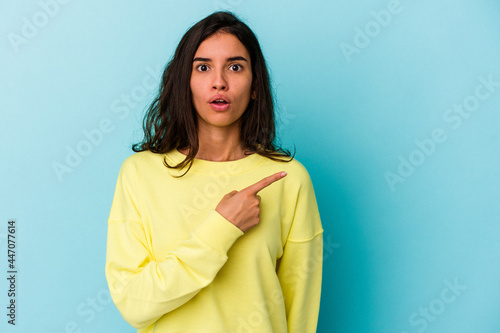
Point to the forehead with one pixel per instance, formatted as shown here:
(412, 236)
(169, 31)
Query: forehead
(222, 45)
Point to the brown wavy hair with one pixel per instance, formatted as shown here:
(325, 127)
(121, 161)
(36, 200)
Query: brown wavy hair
(168, 126)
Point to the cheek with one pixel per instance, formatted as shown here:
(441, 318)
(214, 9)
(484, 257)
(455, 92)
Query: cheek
(196, 84)
(245, 88)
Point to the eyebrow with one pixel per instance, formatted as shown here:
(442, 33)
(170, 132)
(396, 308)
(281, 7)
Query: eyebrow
(228, 59)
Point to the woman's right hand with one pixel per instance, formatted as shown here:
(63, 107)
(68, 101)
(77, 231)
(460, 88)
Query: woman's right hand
(242, 208)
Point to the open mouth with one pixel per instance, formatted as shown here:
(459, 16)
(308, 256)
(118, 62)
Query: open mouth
(220, 102)
(219, 105)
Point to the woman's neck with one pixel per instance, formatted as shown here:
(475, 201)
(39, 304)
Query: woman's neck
(219, 145)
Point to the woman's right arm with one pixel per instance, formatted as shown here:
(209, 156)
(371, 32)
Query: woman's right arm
(144, 289)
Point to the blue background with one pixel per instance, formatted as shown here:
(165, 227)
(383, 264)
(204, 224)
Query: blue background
(361, 87)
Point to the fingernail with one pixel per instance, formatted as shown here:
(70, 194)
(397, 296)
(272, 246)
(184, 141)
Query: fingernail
(283, 174)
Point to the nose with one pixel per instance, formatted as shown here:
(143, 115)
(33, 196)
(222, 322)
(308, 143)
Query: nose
(219, 81)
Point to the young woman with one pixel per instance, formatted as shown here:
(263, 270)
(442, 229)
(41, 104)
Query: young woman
(230, 244)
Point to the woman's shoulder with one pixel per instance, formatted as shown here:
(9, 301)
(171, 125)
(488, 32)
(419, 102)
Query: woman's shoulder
(140, 160)
(295, 169)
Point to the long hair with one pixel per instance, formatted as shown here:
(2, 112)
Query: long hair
(171, 121)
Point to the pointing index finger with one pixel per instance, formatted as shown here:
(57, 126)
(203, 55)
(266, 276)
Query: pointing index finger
(255, 188)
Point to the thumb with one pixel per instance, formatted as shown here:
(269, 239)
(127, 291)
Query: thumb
(231, 194)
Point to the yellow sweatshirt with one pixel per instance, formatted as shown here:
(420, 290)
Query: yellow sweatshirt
(174, 264)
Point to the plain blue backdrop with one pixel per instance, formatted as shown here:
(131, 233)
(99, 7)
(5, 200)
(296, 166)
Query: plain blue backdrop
(394, 108)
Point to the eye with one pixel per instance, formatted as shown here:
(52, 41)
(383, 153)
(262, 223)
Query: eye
(202, 68)
(236, 67)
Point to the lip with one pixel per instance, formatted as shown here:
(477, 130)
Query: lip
(219, 96)
(219, 107)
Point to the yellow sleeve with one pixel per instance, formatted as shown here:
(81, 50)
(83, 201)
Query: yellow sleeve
(300, 277)
(144, 289)
(300, 267)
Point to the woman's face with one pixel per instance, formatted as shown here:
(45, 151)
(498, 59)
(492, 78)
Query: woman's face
(221, 80)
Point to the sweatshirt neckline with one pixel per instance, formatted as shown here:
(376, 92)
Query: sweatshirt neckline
(234, 167)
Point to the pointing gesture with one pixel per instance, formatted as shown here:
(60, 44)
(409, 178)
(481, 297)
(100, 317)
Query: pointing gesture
(242, 208)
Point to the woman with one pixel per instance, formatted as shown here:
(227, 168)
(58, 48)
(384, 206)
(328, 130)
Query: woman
(229, 245)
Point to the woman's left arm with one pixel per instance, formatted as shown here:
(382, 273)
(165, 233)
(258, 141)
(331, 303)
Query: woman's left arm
(300, 267)
(300, 275)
